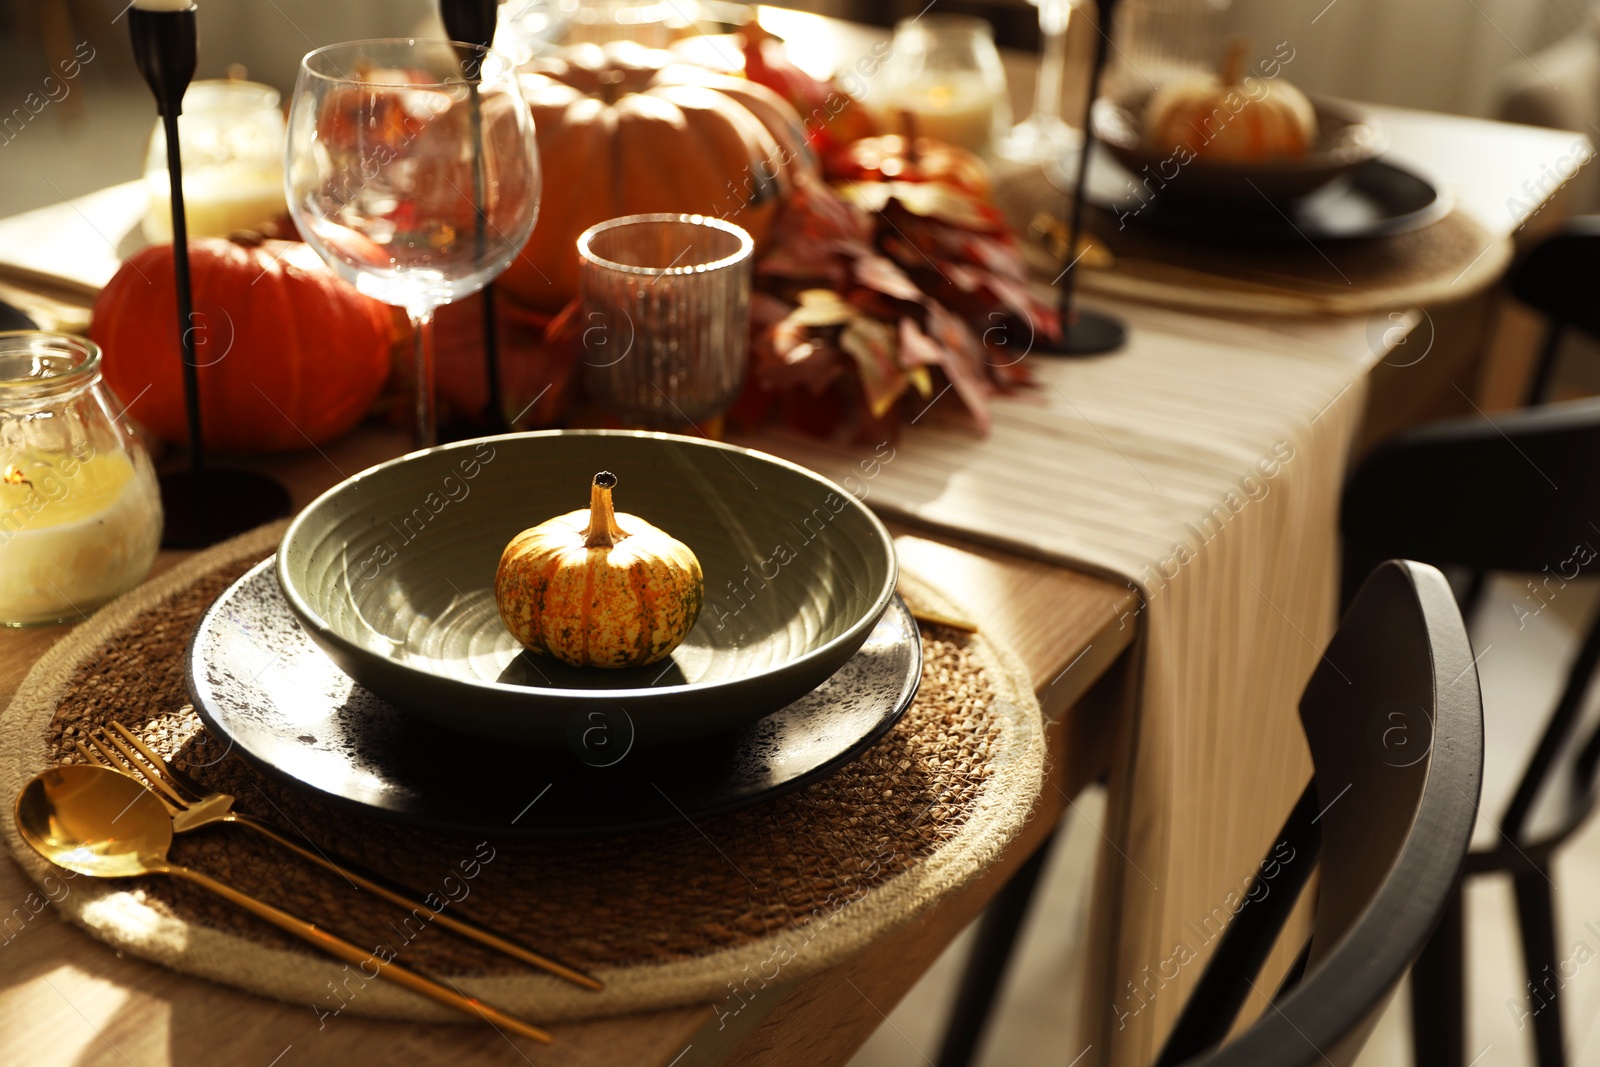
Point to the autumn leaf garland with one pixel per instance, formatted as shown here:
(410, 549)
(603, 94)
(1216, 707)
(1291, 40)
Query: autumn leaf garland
(891, 294)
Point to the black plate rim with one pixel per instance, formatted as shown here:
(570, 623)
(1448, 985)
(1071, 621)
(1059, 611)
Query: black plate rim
(14, 320)
(1442, 204)
(823, 770)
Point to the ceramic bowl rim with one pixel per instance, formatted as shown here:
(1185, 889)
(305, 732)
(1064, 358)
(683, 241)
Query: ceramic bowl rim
(1117, 119)
(311, 620)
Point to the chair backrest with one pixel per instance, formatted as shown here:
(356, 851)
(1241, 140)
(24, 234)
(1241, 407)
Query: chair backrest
(1558, 276)
(1394, 722)
(1513, 491)
(1518, 491)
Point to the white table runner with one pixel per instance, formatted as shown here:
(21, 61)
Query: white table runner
(1202, 464)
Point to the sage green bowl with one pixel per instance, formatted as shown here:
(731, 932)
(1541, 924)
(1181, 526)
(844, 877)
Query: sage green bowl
(391, 573)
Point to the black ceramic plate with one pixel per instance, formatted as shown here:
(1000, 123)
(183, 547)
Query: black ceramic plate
(267, 692)
(1376, 199)
(12, 319)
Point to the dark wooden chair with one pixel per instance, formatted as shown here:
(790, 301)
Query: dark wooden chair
(1519, 493)
(1559, 277)
(1394, 722)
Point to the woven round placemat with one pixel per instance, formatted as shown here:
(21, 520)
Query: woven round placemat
(1451, 259)
(689, 914)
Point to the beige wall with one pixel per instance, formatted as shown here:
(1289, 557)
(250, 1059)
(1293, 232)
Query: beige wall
(1442, 55)
(270, 38)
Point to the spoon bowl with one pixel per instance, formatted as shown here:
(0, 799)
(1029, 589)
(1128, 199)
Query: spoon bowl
(95, 821)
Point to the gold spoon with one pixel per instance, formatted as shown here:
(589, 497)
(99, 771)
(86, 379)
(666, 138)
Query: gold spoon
(95, 821)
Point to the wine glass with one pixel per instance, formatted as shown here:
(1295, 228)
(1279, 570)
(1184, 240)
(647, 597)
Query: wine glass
(1044, 136)
(529, 28)
(412, 170)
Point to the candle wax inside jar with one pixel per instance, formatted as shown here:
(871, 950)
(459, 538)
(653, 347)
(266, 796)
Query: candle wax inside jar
(958, 109)
(74, 532)
(163, 5)
(217, 201)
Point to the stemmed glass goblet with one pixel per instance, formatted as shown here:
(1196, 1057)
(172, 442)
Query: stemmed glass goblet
(411, 169)
(1044, 136)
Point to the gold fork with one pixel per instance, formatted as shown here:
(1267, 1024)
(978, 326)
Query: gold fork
(193, 807)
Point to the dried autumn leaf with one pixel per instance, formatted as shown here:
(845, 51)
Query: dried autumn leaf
(934, 200)
(967, 279)
(821, 307)
(818, 208)
(875, 348)
(882, 274)
(963, 361)
(917, 349)
(1001, 257)
(799, 359)
(1020, 301)
(804, 261)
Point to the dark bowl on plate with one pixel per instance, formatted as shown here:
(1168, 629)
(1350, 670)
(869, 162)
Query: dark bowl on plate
(392, 574)
(1346, 138)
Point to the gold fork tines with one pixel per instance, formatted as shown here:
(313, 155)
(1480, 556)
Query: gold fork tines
(116, 754)
(164, 771)
(193, 806)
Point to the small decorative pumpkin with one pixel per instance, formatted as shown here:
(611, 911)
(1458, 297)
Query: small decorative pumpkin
(625, 130)
(1216, 120)
(595, 588)
(289, 354)
(893, 158)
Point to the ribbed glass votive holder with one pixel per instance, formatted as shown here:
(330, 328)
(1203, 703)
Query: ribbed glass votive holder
(666, 306)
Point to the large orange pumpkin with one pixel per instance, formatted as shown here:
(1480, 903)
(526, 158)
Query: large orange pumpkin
(626, 130)
(289, 354)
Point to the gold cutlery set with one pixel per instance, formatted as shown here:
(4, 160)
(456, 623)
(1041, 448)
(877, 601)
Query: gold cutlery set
(115, 815)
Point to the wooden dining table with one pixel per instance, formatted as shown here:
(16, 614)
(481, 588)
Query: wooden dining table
(67, 999)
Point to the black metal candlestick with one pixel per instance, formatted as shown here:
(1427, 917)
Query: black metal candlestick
(473, 22)
(166, 50)
(1085, 333)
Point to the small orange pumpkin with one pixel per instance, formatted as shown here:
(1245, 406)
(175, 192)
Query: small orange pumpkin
(893, 158)
(1216, 120)
(595, 588)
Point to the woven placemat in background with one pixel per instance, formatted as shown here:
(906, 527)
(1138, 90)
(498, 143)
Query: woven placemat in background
(1451, 259)
(666, 917)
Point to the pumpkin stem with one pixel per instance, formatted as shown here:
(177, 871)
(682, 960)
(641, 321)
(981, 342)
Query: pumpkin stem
(1233, 60)
(611, 89)
(908, 126)
(602, 531)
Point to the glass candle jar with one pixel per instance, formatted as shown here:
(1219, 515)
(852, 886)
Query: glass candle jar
(666, 309)
(233, 136)
(945, 74)
(80, 511)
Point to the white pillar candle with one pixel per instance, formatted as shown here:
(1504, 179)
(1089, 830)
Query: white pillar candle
(957, 108)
